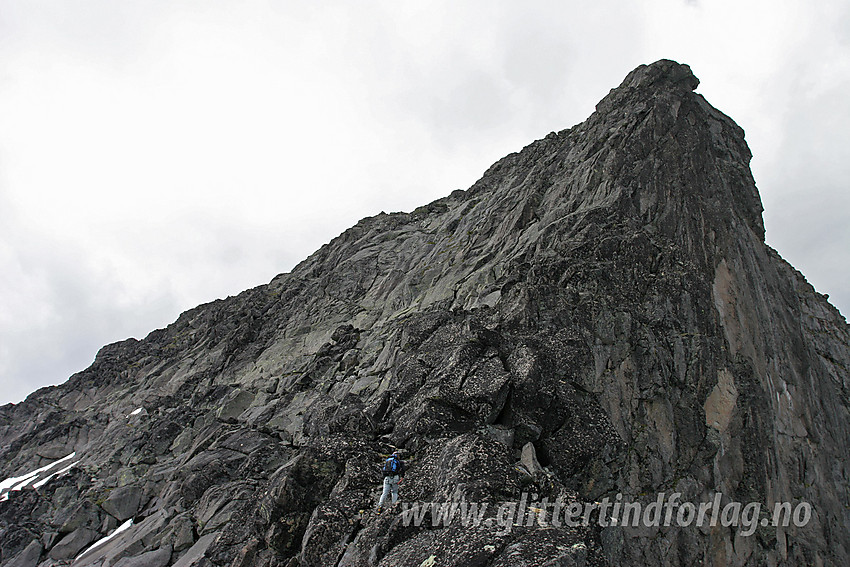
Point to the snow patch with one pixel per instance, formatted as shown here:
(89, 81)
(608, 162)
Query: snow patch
(44, 481)
(126, 525)
(136, 412)
(19, 482)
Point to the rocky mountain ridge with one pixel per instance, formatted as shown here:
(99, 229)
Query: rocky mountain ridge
(597, 315)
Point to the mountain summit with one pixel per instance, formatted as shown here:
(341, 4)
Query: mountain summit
(595, 325)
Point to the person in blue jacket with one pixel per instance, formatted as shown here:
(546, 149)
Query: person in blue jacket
(393, 470)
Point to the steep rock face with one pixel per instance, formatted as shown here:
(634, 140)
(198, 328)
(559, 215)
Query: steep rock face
(597, 315)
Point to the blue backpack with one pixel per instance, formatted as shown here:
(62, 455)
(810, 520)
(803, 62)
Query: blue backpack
(391, 466)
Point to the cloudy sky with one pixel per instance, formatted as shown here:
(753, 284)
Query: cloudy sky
(155, 155)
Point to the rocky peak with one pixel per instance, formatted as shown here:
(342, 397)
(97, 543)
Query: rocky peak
(597, 315)
(662, 75)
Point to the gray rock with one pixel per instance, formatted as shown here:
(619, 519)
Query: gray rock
(271, 386)
(64, 495)
(49, 538)
(28, 557)
(183, 537)
(156, 558)
(195, 554)
(350, 359)
(69, 546)
(234, 405)
(55, 451)
(502, 434)
(133, 541)
(183, 441)
(123, 502)
(246, 556)
(75, 515)
(529, 459)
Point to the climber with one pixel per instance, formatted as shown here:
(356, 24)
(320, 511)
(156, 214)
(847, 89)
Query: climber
(393, 470)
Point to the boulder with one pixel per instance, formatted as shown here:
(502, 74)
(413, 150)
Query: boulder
(529, 459)
(69, 546)
(75, 515)
(156, 558)
(123, 502)
(28, 557)
(195, 554)
(234, 405)
(133, 540)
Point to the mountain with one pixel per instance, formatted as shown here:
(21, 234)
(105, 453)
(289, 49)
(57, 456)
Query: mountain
(596, 324)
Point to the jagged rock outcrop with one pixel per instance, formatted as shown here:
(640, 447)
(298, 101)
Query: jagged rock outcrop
(597, 315)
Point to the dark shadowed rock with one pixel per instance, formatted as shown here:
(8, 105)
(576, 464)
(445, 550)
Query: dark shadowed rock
(76, 514)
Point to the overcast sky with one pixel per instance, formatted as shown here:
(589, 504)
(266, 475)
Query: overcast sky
(155, 155)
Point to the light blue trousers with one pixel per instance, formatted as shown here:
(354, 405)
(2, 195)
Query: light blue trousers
(390, 485)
